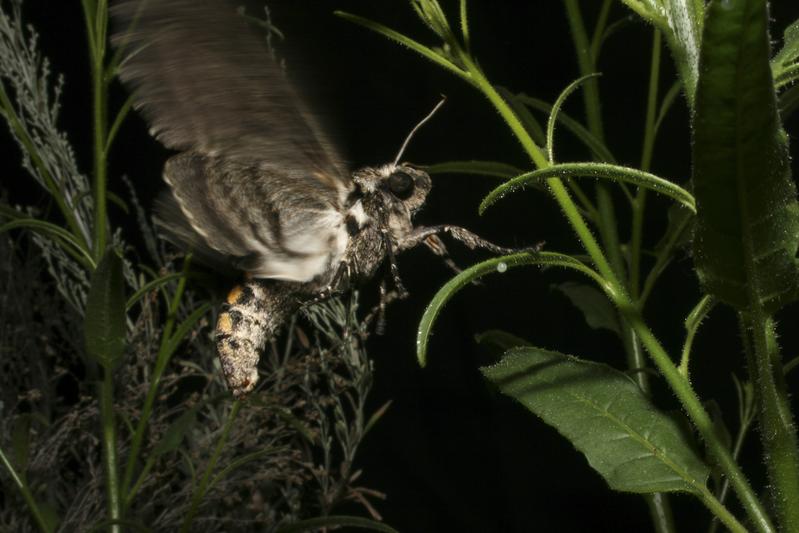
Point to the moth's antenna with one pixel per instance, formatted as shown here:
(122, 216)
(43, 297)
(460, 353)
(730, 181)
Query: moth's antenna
(416, 128)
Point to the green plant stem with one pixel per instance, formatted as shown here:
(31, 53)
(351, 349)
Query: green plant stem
(108, 420)
(607, 214)
(661, 260)
(721, 512)
(96, 27)
(777, 428)
(746, 422)
(660, 511)
(639, 205)
(199, 494)
(22, 486)
(587, 52)
(599, 29)
(161, 361)
(701, 420)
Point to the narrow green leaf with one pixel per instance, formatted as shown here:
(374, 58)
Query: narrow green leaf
(667, 103)
(599, 313)
(149, 286)
(417, 47)
(520, 109)
(747, 226)
(20, 442)
(491, 169)
(789, 54)
(376, 416)
(593, 170)
(183, 330)
(323, 522)
(104, 326)
(604, 414)
(59, 236)
(500, 265)
(173, 436)
(789, 102)
(597, 147)
(553, 114)
(46, 521)
(502, 340)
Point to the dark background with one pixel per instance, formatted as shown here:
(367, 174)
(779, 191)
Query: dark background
(451, 454)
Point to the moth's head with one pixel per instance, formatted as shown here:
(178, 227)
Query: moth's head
(395, 185)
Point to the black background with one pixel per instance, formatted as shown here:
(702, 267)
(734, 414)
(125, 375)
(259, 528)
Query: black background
(451, 454)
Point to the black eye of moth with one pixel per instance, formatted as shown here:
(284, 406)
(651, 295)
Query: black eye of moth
(401, 185)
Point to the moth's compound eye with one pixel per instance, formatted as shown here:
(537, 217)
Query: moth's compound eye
(401, 185)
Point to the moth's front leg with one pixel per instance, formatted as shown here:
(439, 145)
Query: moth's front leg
(251, 316)
(424, 233)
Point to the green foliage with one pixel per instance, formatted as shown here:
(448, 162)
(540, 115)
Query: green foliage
(595, 307)
(592, 170)
(745, 233)
(741, 166)
(632, 445)
(104, 326)
(785, 65)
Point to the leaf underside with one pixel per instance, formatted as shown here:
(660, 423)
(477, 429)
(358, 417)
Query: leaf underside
(635, 447)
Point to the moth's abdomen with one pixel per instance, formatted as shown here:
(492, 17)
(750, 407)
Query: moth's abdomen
(252, 314)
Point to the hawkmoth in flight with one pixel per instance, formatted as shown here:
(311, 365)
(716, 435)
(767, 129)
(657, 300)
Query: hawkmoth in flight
(257, 186)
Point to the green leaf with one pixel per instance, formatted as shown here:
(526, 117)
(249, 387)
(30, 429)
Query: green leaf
(789, 102)
(553, 114)
(497, 264)
(313, 524)
(592, 170)
(680, 21)
(417, 47)
(519, 108)
(104, 326)
(678, 228)
(604, 414)
(502, 340)
(58, 235)
(747, 226)
(20, 442)
(183, 330)
(787, 57)
(597, 147)
(150, 286)
(599, 313)
(173, 436)
(492, 169)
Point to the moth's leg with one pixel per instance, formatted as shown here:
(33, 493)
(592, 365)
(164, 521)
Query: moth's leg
(378, 311)
(473, 241)
(436, 245)
(251, 315)
(339, 282)
(380, 327)
(392, 264)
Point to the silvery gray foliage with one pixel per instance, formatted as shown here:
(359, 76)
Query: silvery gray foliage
(36, 102)
(295, 443)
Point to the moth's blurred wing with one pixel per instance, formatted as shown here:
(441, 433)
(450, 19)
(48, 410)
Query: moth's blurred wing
(231, 212)
(206, 82)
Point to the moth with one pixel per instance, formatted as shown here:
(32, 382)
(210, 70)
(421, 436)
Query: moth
(257, 186)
